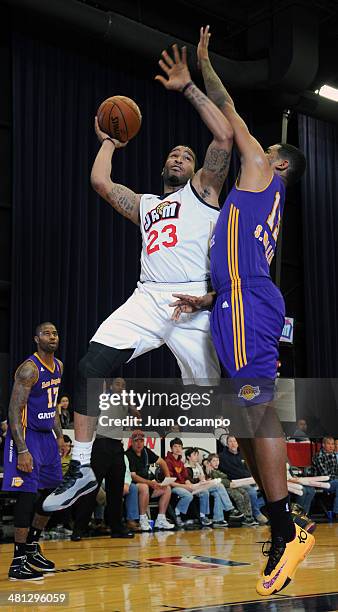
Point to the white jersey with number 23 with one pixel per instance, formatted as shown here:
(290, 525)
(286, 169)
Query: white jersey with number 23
(176, 230)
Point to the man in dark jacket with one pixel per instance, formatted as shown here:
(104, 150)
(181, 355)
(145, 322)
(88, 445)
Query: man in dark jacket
(231, 462)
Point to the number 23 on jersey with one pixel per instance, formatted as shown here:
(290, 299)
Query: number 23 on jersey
(164, 238)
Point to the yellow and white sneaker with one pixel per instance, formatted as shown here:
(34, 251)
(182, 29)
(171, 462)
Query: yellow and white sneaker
(283, 561)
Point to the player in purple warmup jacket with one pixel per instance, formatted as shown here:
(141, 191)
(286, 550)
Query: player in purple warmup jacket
(248, 316)
(32, 452)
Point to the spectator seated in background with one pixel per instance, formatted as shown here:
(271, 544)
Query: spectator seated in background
(64, 412)
(182, 487)
(140, 458)
(239, 496)
(325, 463)
(222, 501)
(130, 494)
(232, 464)
(67, 457)
(300, 433)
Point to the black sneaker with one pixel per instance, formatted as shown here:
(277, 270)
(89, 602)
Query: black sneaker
(37, 559)
(122, 532)
(236, 513)
(235, 516)
(21, 570)
(249, 522)
(78, 480)
(76, 536)
(219, 524)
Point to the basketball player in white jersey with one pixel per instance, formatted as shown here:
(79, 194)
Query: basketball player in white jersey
(176, 228)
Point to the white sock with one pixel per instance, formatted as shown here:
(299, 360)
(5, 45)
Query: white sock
(143, 516)
(82, 452)
(160, 516)
(177, 512)
(202, 515)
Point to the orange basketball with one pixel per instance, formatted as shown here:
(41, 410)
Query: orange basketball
(119, 117)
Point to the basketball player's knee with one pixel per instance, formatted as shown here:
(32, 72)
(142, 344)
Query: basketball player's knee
(86, 369)
(100, 361)
(24, 509)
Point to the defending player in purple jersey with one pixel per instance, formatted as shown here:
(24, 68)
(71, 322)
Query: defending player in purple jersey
(34, 443)
(248, 315)
(244, 241)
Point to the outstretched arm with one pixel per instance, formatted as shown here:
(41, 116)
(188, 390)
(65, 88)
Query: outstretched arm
(209, 180)
(256, 170)
(26, 377)
(124, 200)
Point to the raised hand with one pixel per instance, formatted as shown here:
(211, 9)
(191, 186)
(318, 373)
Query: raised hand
(102, 136)
(202, 48)
(175, 68)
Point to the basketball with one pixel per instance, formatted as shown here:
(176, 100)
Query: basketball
(119, 117)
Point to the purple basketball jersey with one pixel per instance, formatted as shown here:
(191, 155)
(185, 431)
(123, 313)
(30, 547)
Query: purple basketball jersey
(244, 241)
(38, 419)
(39, 413)
(248, 315)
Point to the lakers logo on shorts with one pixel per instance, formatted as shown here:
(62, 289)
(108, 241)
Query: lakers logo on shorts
(17, 481)
(248, 392)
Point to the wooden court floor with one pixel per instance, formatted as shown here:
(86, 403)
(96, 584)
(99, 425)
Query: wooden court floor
(212, 570)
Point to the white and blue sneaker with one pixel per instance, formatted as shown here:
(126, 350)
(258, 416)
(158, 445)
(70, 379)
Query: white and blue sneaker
(79, 480)
(162, 523)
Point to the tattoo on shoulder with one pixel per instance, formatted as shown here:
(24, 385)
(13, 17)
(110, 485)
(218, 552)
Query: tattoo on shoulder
(27, 374)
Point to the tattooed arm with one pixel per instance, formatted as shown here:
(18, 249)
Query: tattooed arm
(255, 171)
(124, 200)
(26, 376)
(209, 180)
